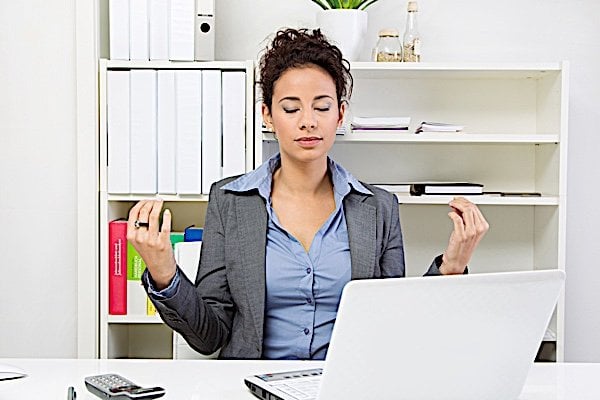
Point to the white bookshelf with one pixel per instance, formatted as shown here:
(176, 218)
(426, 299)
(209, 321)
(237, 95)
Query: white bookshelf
(515, 140)
(438, 137)
(142, 336)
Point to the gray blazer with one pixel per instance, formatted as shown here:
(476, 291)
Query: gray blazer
(225, 307)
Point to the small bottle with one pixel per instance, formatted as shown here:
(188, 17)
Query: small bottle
(412, 39)
(388, 47)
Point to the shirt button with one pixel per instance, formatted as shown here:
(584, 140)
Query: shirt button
(308, 270)
(306, 331)
(309, 301)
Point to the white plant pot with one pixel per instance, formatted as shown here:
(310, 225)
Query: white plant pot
(346, 29)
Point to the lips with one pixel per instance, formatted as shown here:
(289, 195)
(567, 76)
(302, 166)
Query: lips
(308, 139)
(308, 142)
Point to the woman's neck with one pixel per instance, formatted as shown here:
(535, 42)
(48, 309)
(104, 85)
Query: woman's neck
(302, 178)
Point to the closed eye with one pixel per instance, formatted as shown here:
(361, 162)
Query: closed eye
(290, 110)
(323, 109)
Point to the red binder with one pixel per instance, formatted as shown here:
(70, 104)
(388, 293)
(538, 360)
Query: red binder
(117, 267)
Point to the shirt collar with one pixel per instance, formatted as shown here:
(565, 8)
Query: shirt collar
(262, 177)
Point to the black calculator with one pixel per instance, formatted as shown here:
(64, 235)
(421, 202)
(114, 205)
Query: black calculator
(115, 387)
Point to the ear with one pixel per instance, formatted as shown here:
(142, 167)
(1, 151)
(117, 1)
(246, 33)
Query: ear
(342, 113)
(266, 116)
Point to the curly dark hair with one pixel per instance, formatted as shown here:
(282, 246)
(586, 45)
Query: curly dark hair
(293, 48)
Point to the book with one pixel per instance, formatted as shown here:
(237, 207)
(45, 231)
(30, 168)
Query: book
(438, 127)
(136, 295)
(150, 309)
(445, 188)
(117, 267)
(193, 234)
(177, 237)
(187, 257)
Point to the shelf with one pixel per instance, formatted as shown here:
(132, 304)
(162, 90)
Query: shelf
(165, 197)
(435, 137)
(124, 64)
(405, 198)
(134, 319)
(391, 70)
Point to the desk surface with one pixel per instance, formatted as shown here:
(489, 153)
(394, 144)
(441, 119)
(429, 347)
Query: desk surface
(223, 380)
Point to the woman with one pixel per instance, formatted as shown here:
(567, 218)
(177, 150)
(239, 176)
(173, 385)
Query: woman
(280, 242)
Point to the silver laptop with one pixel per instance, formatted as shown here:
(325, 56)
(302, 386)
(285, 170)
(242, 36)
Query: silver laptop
(453, 337)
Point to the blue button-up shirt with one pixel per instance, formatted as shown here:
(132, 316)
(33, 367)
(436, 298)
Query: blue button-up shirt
(303, 288)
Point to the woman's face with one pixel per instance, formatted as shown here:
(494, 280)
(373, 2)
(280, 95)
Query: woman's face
(304, 113)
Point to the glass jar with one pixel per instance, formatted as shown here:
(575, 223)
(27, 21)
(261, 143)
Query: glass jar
(412, 39)
(388, 47)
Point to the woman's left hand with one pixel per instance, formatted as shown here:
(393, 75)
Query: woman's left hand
(469, 227)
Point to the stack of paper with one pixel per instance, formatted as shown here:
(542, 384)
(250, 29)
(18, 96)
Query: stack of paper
(341, 130)
(438, 127)
(394, 187)
(380, 123)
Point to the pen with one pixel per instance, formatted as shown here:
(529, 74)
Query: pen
(71, 394)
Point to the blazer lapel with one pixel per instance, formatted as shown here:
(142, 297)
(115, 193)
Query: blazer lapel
(360, 220)
(252, 222)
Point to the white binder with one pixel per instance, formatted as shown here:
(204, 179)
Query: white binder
(188, 89)
(167, 128)
(159, 29)
(117, 110)
(211, 128)
(118, 29)
(234, 123)
(181, 30)
(143, 132)
(139, 43)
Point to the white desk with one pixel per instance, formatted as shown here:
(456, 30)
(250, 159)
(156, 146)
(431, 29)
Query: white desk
(223, 380)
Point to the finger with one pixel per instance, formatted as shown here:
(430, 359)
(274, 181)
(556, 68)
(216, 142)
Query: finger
(144, 213)
(134, 216)
(459, 226)
(460, 203)
(154, 217)
(166, 224)
(469, 221)
(482, 224)
(470, 214)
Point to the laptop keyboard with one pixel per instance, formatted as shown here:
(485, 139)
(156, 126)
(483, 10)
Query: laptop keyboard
(304, 389)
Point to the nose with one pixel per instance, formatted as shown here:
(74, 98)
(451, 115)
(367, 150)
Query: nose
(308, 120)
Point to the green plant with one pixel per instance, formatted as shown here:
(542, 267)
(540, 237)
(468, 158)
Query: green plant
(344, 4)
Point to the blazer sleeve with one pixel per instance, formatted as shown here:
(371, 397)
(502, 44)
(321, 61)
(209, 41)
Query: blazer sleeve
(392, 256)
(202, 312)
(392, 260)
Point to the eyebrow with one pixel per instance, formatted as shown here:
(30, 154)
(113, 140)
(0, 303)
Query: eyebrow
(293, 98)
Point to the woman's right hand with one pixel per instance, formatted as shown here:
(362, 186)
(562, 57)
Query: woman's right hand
(154, 245)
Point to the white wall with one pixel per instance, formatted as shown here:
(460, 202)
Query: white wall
(503, 31)
(37, 129)
(38, 297)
